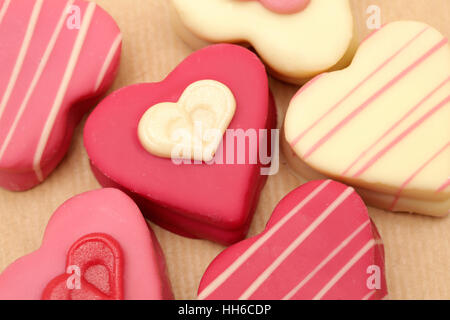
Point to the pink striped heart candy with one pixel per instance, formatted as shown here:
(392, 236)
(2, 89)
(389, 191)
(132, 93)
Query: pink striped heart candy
(319, 244)
(56, 57)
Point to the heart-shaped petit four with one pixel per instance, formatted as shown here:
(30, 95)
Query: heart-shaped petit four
(382, 124)
(128, 139)
(315, 37)
(319, 244)
(97, 246)
(56, 57)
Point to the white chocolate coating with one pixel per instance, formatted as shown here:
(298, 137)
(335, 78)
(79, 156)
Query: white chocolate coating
(383, 123)
(295, 47)
(191, 128)
(372, 198)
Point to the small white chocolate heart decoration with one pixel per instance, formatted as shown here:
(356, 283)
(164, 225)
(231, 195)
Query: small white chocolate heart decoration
(191, 128)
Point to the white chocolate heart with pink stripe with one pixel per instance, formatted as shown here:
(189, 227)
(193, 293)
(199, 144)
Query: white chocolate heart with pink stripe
(191, 128)
(382, 124)
(307, 38)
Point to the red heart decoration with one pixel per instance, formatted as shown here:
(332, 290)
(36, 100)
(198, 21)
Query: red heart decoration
(207, 201)
(99, 262)
(319, 244)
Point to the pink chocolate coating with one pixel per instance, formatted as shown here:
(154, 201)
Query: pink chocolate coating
(107, 211)
(56, 57)
(318, 244)
(214, 202)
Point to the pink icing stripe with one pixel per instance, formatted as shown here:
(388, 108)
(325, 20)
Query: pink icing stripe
(405, 133)
(309, 84)
(370, 35)
(378, 69)
(411, 111)
(411, 178)
(389, 85)
(444, 186)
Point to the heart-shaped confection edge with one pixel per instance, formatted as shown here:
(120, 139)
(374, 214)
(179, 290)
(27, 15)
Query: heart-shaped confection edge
(382, 126)
(192, 127)
(57, 58)
(109, 224)
(207, 201)
(319, 244)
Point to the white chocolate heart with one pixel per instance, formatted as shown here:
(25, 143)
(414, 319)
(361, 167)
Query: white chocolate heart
(296, 47)
(383, 124)
(191, 128)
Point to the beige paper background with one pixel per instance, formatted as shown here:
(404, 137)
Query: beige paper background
(417, 247)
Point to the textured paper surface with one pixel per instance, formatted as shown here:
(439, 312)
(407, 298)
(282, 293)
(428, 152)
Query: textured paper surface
(417, 247)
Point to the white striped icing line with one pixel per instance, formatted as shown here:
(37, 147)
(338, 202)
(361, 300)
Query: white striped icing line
(217, 282)
(324, 262)
(4, 9)
(295, 244)
(62, 89)
(108, 60)
(22, 54)
(369, 295)
(36, 78)
(370, 244)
